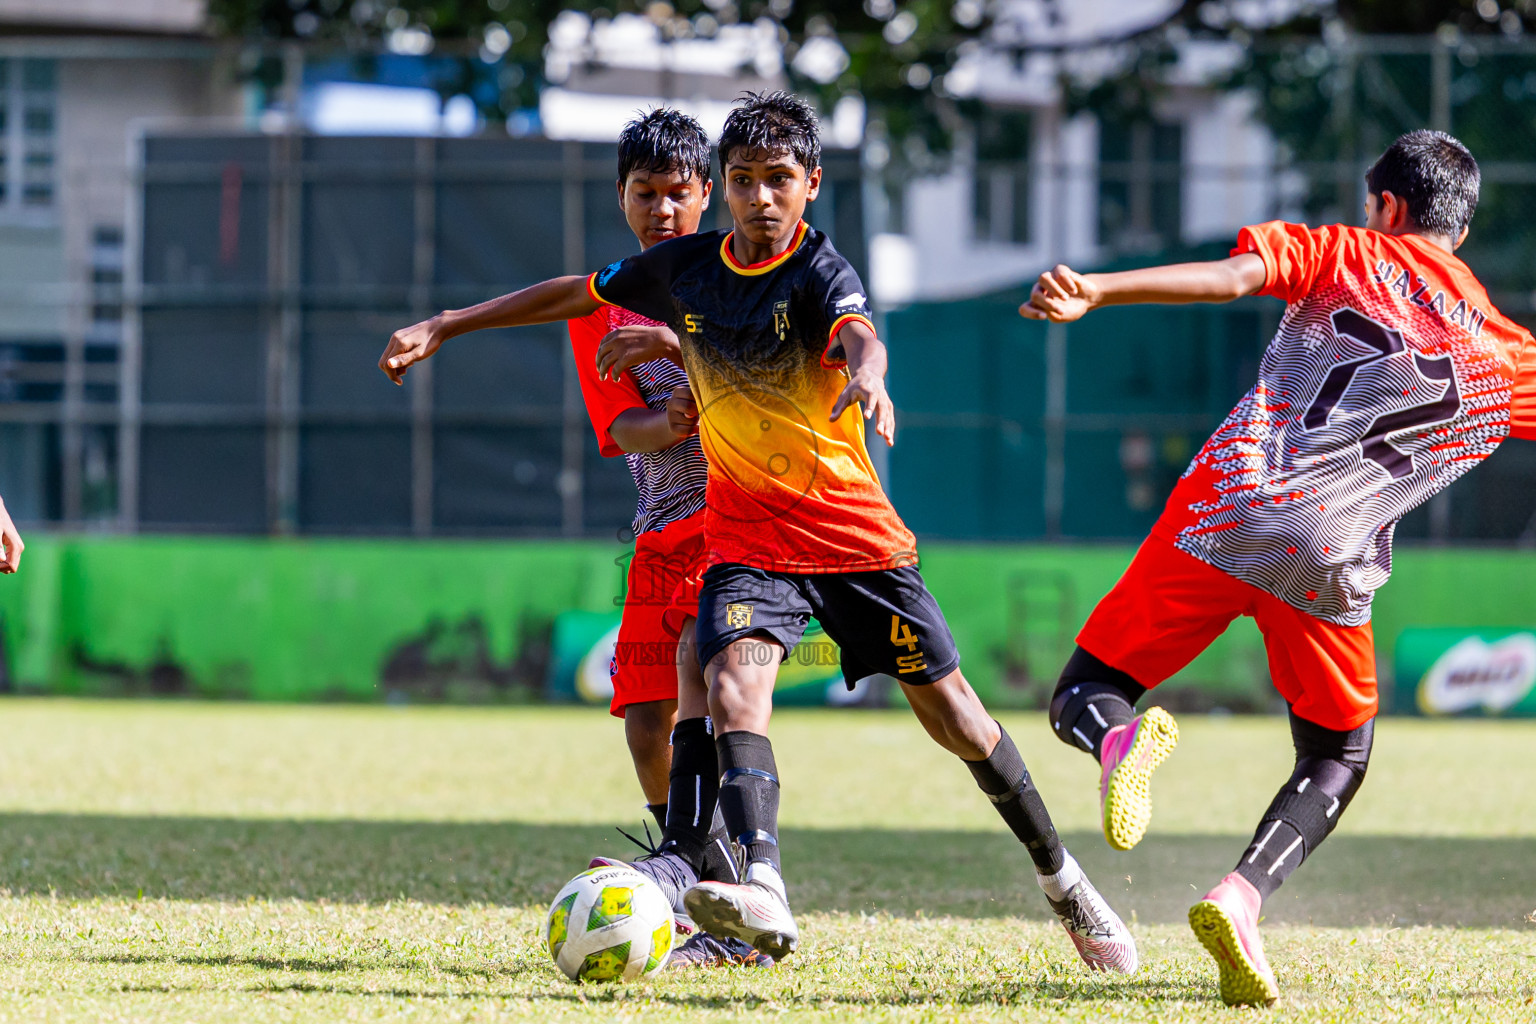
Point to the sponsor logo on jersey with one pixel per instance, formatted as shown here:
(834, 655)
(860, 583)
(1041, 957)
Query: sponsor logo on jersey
(606, 274)
(738, 616)
(693, 323)
(850, 302)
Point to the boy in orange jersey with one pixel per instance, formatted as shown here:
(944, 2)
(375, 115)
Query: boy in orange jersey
(1390, 376)
(776, 333)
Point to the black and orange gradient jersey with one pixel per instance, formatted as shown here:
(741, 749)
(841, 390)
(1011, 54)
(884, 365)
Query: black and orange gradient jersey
(789, 489)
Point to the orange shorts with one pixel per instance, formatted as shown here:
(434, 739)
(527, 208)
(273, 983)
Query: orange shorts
(645, 659)
(1169, 606)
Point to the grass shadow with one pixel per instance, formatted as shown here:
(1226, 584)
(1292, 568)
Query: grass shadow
(306, 965)
(1352, 881)
(1004, 993)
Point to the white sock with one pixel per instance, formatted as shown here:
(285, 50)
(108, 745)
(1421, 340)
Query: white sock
(1058, 885)
(764, 872)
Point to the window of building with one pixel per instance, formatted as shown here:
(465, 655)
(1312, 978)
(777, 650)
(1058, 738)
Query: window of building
(106, 283)
(1000, 197)
(1140, 167)
(28, 129)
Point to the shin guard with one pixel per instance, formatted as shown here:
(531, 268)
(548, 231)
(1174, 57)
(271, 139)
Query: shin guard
(749, 794)
(1006, 782)
(1330, 766)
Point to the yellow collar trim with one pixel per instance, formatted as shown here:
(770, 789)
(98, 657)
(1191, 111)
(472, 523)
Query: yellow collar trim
(754, 269)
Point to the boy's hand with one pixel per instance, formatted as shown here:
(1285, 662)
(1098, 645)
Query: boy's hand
(1061, 295)
(869, 388)
(11, 539)
(410, 346)
(683, 412)
(624, 347)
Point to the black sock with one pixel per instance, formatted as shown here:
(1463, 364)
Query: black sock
(1330, 765)
(749, 794)
(659, 812)
(1092, 698)
(692, 786)
(1005, 780)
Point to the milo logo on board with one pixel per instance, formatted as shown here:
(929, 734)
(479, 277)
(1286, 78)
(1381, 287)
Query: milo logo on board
(1474, 673)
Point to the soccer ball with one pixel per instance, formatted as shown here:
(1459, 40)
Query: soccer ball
(608, 924)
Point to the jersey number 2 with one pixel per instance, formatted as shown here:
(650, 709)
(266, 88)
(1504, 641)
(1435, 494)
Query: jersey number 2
(1385, 343)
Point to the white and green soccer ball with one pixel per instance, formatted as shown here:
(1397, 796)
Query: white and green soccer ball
(609, 924)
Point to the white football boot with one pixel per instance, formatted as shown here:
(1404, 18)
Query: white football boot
(1101, 938)
(756, 910)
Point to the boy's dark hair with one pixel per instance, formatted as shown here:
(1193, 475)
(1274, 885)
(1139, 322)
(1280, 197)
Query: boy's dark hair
(1435, 175)
(768, 124)
(664, 140)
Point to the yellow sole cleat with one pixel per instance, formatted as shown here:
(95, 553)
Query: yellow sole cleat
(1131, 752)
(1244, 982)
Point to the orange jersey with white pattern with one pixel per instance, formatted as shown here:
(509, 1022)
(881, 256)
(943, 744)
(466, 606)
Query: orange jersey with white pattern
(1391, 375)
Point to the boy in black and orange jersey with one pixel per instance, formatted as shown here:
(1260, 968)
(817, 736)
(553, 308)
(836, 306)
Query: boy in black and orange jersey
(776, 335)
(1391, 375)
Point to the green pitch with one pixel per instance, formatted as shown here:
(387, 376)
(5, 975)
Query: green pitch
(209, 863)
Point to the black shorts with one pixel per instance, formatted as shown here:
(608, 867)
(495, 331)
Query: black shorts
(882, 621)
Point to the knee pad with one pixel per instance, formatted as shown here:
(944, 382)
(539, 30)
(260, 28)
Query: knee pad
(1084, 681)
(1083, 667)
(1335, 760)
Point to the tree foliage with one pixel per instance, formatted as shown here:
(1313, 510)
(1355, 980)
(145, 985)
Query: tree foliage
(897, 52)
(1336, 83)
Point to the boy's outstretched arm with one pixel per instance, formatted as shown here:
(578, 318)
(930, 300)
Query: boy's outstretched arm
(1062, 295)
(866, 378)
(10, 541)
(643, 430)
(562, 298)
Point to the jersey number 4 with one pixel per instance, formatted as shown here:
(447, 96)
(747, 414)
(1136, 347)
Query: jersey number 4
(1385, 344)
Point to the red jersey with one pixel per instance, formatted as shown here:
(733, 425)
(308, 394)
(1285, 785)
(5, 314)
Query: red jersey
(1390, 376)
(671, 482)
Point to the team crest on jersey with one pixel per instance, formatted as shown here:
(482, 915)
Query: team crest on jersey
(606, 274)
(738, 616)
(781, 318)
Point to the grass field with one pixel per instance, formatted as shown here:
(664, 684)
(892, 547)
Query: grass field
(210, 863)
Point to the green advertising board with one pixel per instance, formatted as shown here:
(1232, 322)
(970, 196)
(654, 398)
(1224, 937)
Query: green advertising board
(1457, 671)
(514, 621)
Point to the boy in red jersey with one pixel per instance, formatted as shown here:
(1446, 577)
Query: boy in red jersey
(628, 367)
(1390, 376)
(664, 188)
